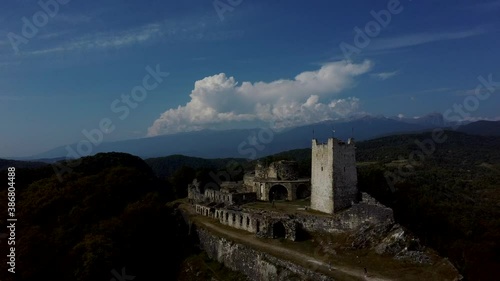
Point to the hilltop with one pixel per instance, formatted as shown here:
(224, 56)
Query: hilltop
(450, 201)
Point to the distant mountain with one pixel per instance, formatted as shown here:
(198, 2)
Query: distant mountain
(432, 119)
(205, 143)
(254, 143)
(483, 128)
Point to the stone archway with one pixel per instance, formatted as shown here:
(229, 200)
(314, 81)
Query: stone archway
(278, 192)
(279, 230)
(303, 191)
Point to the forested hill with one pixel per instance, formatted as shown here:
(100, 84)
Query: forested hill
(109, 213)
(5, 163)
(458, 150)
(484, 128)
(164, 167)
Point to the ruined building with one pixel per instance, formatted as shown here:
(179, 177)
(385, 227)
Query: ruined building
(279, 178)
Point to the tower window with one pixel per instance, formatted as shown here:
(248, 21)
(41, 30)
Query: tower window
(321, 168)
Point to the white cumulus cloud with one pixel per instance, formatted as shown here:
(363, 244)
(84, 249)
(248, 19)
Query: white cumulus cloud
(308, 98)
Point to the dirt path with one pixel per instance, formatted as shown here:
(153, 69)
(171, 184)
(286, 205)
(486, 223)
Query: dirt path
(312, 263)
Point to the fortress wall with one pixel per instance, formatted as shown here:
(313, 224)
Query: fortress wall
(272, 171)
(249, 180)
(194, 195)
(260, 171)
(261, 225)
(253, 223)
(350, 219)
(229, 198)
(256, 265)
(287, 170)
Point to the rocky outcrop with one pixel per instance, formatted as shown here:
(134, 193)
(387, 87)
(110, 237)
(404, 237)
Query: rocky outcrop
(391, 240)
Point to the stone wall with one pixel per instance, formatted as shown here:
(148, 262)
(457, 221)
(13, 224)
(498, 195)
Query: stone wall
(194, 195)
(321, 176)
(249, 181)
(345, 177)
(216, 196)
(350, 219)
(279, 170)
(287, 170)
(256, 265)
(263, 188)
(260, 171)
(262, 224)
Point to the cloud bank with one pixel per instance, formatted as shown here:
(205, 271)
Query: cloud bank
(308, 98)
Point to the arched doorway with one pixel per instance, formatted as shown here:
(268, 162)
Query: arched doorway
(303, 192)
(278, 192)
(279, 230)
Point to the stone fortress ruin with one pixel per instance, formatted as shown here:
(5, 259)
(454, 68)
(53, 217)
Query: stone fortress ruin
(332, 191)
(326, 210)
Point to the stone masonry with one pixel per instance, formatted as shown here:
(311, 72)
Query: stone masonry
(333, 175)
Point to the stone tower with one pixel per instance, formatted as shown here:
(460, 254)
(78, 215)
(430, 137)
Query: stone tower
(333, 175)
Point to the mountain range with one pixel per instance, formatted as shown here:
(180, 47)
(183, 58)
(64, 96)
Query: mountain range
(259, 142)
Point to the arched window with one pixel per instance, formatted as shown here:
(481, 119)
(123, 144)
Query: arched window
(278, 192)
(279, 230)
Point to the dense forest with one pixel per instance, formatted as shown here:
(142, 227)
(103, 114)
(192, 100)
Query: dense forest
(108, 214)
(450, 198)
(116, 211)
(4, 164)
(164, 167)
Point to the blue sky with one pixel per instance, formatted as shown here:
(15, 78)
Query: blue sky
(234, 66)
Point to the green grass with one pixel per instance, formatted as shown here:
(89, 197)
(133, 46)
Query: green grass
(286, 207)
(201, 267)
